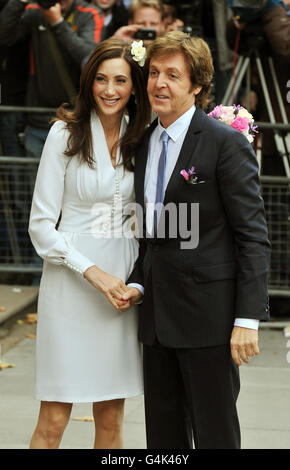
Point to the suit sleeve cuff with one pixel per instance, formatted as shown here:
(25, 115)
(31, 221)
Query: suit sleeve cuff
(247, 323)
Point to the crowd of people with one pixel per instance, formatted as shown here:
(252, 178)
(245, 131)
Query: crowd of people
(44, 50)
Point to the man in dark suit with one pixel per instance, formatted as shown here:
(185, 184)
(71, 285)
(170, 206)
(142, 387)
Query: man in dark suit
(205, 290)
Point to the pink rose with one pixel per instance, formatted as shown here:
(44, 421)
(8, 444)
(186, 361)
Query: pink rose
(216, 112)
(184, 174)
(240, 124)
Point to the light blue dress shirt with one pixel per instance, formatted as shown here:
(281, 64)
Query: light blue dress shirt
(177, 132)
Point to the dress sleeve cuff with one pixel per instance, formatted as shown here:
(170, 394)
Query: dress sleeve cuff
(247, 323)
(77, 262)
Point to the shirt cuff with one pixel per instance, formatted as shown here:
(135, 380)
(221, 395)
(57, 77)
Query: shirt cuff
(247, 323)
(140, 288)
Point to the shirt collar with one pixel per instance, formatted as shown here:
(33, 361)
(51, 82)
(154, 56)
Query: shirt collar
(177, 127)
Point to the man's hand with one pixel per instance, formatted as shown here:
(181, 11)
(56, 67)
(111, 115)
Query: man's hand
(53, 15)
(131, 296)
(127, 32)
(244, 344)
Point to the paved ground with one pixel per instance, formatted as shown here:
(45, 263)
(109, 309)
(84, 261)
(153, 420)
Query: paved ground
(264, 401)
(14, 299)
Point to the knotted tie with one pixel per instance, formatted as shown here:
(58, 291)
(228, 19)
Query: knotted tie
(160, 190)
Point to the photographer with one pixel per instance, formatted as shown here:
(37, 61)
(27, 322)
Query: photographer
(13, 79)
(264, 26)
(61, 35)
(270, 15)
(146, 22)
(143, 14)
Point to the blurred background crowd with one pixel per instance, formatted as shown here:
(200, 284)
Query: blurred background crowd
(44, 45)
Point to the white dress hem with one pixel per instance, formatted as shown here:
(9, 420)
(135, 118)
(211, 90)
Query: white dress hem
(90, 400)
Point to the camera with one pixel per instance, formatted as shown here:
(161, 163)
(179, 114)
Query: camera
(46, 4)
(248, 10)
(145, 34)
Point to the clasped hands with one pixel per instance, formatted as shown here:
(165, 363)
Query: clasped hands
(113, 288)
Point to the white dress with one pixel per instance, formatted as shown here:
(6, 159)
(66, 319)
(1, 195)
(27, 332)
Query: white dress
(86, 351)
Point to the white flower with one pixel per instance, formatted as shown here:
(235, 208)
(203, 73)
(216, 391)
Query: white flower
(245, 114)
(227, 114)
(138, 52)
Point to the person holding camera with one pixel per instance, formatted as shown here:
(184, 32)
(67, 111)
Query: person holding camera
(270, 15)
(147, 21)
(62, 34)
(144, 22)
(265, 29)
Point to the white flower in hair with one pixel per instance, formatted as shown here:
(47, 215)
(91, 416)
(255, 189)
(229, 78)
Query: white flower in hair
(138, 52)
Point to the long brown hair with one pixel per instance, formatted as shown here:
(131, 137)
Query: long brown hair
(78, 120)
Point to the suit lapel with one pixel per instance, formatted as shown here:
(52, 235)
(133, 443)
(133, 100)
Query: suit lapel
(186, 153)
(140, 164)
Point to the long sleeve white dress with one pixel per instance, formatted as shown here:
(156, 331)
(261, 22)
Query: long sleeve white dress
(86, 351)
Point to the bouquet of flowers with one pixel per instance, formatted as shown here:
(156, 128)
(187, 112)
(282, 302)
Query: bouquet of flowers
(237, 117)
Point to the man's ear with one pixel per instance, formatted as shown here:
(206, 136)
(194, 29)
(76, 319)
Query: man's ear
(197, 89)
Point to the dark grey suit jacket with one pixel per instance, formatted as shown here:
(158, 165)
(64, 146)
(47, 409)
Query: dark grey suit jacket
(192, 296)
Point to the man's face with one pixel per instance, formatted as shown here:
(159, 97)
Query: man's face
(148, 18)
(169, 88)
(105, 5)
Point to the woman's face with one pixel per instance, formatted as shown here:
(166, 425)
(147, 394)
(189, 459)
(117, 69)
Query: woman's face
(112, 87)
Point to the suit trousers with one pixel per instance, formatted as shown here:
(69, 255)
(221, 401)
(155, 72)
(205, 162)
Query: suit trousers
(191, 394)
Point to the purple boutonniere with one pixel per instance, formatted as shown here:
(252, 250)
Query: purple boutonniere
(190, 176)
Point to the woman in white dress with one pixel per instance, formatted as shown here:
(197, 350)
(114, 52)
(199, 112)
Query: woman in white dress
(87, 350)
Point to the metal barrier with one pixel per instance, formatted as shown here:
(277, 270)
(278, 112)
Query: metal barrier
(17, 177)
(276, 195)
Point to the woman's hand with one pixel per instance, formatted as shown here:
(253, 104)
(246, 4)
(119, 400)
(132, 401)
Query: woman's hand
(112, 287)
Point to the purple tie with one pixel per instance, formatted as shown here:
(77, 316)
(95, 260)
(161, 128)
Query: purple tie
(160, 179)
